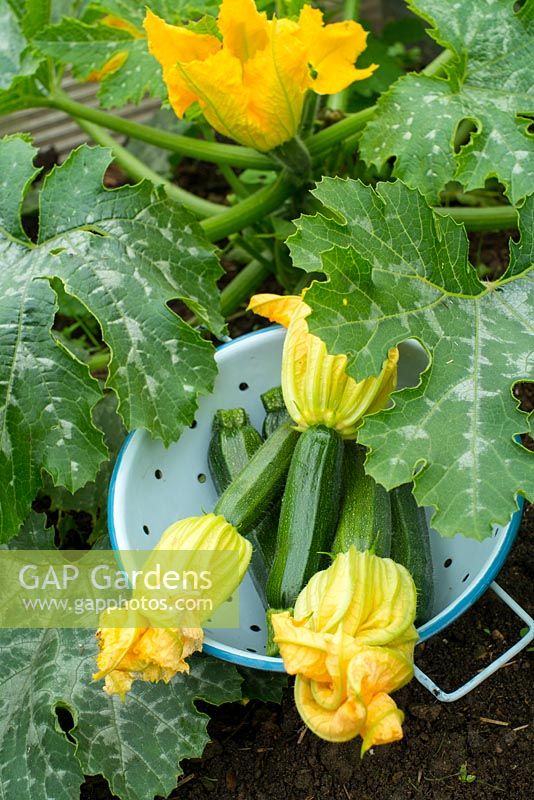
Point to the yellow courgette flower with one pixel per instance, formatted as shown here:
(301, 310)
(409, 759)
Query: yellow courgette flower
(138, 649)
(251, 83)
(315, 385)
(118, 59)
(350, 643)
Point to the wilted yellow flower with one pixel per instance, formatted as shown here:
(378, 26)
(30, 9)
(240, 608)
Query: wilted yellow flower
(316, 387)
(251, 83)
(118, 59)
(131, 645)
(350, 643)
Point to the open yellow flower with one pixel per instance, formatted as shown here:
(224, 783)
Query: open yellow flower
(350, 643)
(251, 83)
(131, 645)
(316, 387)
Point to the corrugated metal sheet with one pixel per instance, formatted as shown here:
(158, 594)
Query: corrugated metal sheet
(50, 128)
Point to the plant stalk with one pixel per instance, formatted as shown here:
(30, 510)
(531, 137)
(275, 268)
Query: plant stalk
(495, 218)
(252, 209)
(213, 152)
(243, 286)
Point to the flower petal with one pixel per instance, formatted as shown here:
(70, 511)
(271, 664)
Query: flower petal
(244, 29)
(383, 724)
(334, 725)
(171, 43)
(303, 650)
(277, 308)
(332, 51)
(373, 670)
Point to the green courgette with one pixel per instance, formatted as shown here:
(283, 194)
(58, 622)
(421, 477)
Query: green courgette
(410, 546)
(276, 413)
(254, 490)
(233, 443)
(308, 518)
(365, 515)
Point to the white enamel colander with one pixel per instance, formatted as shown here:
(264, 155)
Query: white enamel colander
(153, 486)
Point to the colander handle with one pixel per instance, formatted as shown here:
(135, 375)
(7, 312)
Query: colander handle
(450, 697)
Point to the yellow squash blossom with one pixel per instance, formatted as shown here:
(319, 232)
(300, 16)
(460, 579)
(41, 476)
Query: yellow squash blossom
(316, 387)
(137, 648)
(251, 83)
(350, 643)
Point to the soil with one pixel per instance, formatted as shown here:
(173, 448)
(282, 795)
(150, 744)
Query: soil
(479, 747)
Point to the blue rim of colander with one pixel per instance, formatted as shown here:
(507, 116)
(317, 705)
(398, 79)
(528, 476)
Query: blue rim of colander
(442, 620)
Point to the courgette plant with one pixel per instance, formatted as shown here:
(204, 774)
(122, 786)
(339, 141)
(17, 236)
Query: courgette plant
(373, 195)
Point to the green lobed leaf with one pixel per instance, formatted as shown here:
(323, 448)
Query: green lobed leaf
(397, 271)
(137, 745)
(124, 254)
(489, 83)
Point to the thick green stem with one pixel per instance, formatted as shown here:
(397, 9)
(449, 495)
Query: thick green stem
(436, 66)
(243, 286)
(495, 218)
(254, 208)
(213, 152)
(137, 170)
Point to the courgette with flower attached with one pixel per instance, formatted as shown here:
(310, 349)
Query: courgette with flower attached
(327, 405)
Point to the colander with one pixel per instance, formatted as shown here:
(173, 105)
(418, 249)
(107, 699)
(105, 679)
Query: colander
(153, 486)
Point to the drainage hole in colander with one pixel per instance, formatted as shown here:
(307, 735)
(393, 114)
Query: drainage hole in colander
(201, 478)
(465, 578)
(146, 530)
(447, 563)
(255, 628)
(243, 386)
(158, 474)
(251, 650)
(193, 424)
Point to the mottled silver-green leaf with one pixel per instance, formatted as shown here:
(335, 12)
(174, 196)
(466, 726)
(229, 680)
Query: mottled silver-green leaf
(397, 271)
(124, 254)
(489, 81)
(46, 396)
(137, 745)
